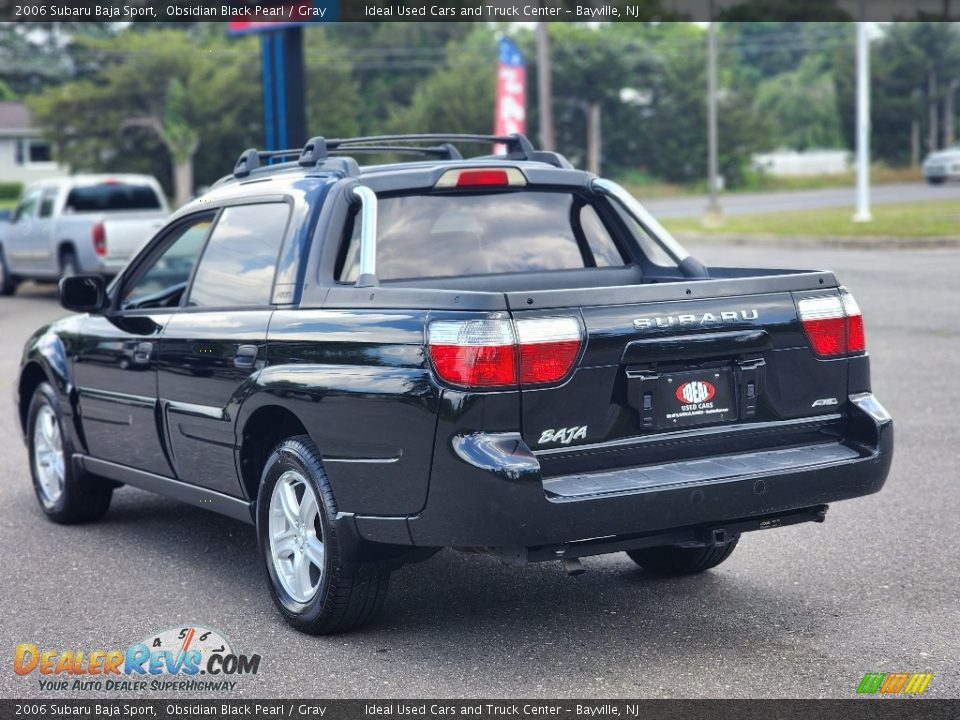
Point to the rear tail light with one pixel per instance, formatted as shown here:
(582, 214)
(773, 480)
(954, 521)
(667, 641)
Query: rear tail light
(496, 353)
(99, 237)
(833, 324)
(474, 353)
(856, 340)
(548, 348)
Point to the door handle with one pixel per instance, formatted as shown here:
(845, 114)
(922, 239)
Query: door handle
(143, 351)
(246, 356)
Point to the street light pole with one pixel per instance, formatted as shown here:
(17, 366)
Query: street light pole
(863, 125)
(544, 89)
(713, 211)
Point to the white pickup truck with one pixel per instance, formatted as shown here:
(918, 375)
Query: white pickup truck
(78, 224)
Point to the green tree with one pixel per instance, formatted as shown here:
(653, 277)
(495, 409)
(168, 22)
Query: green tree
(758, 51)
(150, 95)
(904, 61)
(801, 108)
(595, 64)
(333, 101)
(389, 61)
(34, 55)
(458, 97)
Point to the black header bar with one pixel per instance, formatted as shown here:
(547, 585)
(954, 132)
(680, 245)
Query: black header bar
(302, 11)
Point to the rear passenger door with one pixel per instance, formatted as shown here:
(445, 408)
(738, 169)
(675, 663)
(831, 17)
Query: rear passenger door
(214, 347)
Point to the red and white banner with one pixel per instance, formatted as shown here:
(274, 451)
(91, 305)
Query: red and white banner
(510, 113)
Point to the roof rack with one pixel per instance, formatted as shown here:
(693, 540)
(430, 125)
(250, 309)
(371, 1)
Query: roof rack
(445, 151)
(318, 149)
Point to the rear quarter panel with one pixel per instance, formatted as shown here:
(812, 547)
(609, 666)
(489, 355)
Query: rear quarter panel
(359, 382)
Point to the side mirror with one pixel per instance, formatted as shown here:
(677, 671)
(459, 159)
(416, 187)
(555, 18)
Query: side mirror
(83, 293)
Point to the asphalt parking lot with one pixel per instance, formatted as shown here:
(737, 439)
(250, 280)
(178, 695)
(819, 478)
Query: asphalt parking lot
(796, 612)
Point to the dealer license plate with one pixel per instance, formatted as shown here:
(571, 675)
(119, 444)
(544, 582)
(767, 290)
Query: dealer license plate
(695, 398)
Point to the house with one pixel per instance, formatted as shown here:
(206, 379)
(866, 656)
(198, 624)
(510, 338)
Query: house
(24, 155)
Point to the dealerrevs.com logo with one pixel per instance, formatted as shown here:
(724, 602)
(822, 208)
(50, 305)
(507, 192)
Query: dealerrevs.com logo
(189, 658)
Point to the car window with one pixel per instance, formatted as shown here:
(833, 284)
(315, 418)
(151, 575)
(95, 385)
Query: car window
(46, 202)
(604, 249)
(481, 233)
(239, 262)
(652, 249)
(27, 208)
(111, 195)
(164, 280)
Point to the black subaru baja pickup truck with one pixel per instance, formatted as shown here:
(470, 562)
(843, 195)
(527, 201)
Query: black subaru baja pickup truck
(499, 353)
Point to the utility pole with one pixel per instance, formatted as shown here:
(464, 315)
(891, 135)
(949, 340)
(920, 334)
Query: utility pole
(933, 136)
(544, 91)
(713, 212)
(863, 123)
(949, 112)
(594, 142)
(914, 143)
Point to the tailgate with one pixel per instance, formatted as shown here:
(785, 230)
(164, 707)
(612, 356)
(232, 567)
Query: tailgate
(125, 235)
(661, 380)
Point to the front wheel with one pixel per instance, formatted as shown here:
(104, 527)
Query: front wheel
(675, 560)
(936, 180)
(8, 282)
(317, 590)
(66, 493)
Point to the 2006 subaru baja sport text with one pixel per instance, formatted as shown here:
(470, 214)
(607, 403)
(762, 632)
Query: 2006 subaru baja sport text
(499, 353)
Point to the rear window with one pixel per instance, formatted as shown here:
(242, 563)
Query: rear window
(110, 196)
(444, 235)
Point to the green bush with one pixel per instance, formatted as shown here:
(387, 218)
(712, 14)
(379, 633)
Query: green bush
(10, 190)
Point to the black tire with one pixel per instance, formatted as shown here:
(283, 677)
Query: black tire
(68, 264)
(673, 560)
(349, 593)
(84, 497)
(936, 180)
(8, 282)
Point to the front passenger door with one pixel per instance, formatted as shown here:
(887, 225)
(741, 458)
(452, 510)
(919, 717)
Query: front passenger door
(22, 253)
(115, 367)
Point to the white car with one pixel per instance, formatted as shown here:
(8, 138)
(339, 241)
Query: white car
(942, 165)
(78, 224)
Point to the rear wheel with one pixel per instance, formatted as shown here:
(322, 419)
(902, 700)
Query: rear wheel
(676, 560)
(936, 180)
(68, 264)
(315, 587)
(8, 283)
(66, 494)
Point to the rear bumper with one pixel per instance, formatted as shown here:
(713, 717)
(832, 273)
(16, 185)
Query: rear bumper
(487, 491)
(111, 266)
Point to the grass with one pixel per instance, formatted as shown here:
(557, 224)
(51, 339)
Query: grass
(921, 219)
(646, 187)
(7, 204)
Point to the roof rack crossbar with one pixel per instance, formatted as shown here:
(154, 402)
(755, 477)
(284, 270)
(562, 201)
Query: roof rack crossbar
(442, 151)
(516, 143)
(317, 149)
